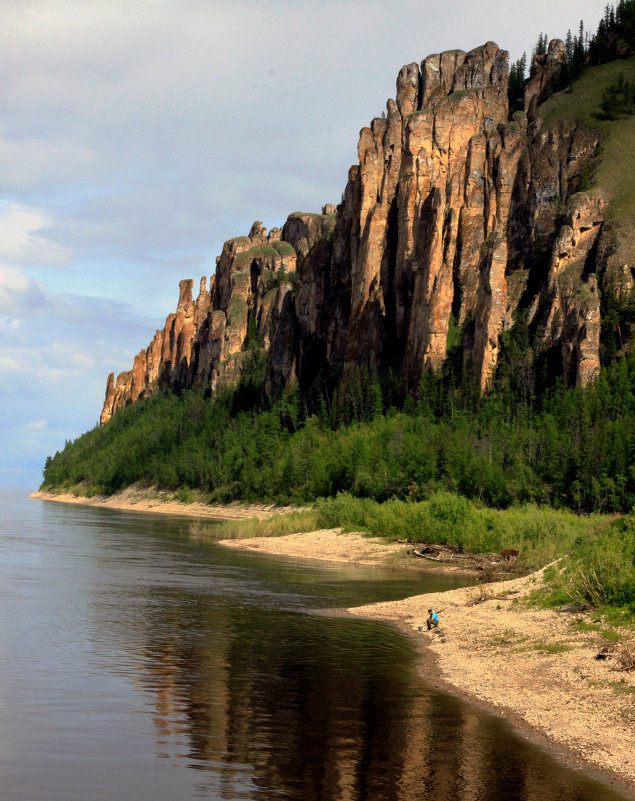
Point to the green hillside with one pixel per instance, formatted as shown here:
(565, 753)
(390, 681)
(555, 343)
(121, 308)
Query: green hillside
(616, 162)
(403, 473)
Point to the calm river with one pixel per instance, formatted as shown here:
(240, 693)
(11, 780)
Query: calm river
(136, 664)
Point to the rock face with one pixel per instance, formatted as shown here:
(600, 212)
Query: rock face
(210, 341)
(454, 218)
(544, 76)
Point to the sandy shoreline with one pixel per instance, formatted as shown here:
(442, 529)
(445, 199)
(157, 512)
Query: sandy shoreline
(153, 502)
(533, 665)
(536, 667)
(329, 545)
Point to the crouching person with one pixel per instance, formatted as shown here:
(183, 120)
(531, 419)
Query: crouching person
(433, 620)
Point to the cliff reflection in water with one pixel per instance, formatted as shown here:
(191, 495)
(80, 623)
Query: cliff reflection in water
(322, 708)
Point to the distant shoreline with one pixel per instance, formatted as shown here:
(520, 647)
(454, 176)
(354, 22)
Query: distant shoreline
(151, 501)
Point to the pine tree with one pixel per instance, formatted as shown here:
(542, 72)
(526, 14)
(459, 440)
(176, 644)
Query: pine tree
(515, 89)
(541, 45)
(568, 43)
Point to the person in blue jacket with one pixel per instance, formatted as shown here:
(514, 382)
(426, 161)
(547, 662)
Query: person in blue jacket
(433, 619)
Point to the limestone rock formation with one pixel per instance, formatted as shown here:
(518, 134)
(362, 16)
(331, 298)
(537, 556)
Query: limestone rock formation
(455, 217)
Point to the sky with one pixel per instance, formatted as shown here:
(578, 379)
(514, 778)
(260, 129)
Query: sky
(136, 136)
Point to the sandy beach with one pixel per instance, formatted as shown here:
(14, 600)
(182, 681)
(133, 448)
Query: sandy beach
(153, 501)
(330, 545)
(536, 667)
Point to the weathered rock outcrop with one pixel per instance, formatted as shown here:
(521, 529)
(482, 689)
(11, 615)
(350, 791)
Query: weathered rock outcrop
(571, 307)
(544, 76)
(454, 217)
(210, 341)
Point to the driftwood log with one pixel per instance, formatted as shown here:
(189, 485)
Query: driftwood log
(449, 553)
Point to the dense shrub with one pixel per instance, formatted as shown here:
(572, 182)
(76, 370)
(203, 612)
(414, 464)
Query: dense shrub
(600, 571)
(541, 534)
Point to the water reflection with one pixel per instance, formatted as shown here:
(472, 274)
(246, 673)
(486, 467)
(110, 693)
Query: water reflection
(320, 709)
(137, 664)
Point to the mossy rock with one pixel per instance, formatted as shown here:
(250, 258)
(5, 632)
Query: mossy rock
(283, 248)
(460, 93)
(237, 311)
(261, 251)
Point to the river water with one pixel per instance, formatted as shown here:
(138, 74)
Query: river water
(136, 663)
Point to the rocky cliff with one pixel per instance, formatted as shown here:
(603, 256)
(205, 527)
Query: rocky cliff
(454, 217)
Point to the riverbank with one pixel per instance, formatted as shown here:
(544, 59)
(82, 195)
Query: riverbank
(153, 501)
(538, 667)
(535, 666)
(332, 545)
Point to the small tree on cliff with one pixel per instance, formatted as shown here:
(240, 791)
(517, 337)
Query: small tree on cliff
(515, 89)
(541, 45)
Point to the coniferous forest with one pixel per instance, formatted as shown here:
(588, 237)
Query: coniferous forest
(572, 448)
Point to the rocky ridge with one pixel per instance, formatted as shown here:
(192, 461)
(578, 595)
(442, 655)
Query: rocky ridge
(454, 216)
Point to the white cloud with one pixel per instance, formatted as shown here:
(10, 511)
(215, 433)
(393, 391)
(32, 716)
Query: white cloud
(23, 237)
(20, 295)
(36, 425)
(9, 364)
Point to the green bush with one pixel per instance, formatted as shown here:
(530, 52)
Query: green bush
(600, 571)
(541, 535)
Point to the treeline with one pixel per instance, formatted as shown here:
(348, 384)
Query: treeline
(572, 449)
(614, 38)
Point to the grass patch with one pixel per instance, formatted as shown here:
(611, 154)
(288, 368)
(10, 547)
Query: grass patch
(460, 93)
(419, 113)
(237, 311)
(582, 101)
(622, 687)
(312, 214)
(276, 526)
(612, 635)
(609, 634)
(583, 626)
(508, 637)
(283, 248)
(551, 647)
(261, 251)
